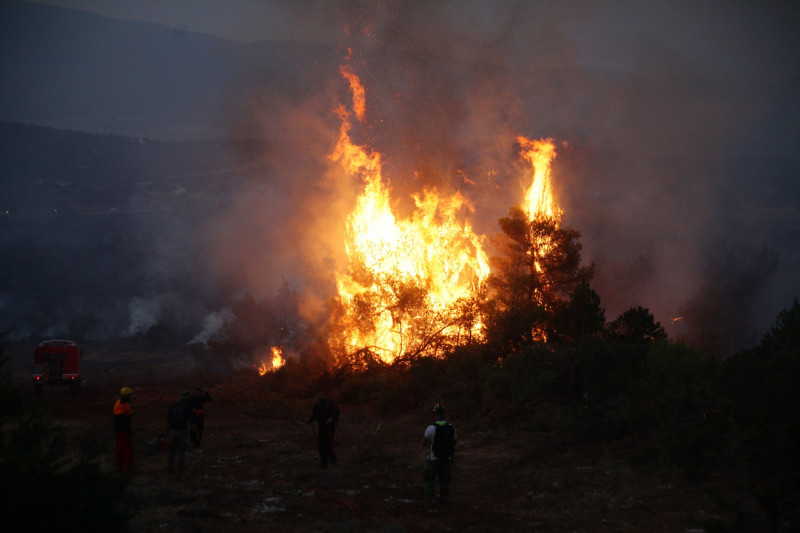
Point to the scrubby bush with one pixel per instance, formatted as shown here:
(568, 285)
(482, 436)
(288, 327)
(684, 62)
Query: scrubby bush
(464, 376)
(761, 387)
(604, 370)
(670, 400)
(362, 388)
(605, 377)
(762, 399)
(540, 372)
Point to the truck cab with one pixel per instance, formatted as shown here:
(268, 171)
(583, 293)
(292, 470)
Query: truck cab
(56, 363)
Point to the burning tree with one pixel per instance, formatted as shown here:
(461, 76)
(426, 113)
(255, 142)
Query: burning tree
(412, 286)
(539, 262)
(418, 286)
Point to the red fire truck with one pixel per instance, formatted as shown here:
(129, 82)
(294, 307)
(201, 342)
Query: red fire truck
(59, 365)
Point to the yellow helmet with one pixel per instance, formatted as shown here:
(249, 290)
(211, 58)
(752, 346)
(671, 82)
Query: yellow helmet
(125, 391)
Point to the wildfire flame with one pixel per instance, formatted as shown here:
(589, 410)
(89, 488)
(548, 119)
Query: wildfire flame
(539, 199)
(359, 94)
(276, 361)
(407, 274)
(411, 285)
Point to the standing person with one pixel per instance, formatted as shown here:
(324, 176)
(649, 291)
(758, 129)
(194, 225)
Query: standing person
(441, 436)
(123, 416)
(326, 414)
(198, 399)
(180, 418)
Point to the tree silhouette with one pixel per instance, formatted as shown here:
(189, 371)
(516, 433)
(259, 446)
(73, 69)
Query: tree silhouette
(636, 325)
(578, 317)
(538, 267)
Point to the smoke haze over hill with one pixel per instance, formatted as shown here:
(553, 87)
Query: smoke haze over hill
(677, 161)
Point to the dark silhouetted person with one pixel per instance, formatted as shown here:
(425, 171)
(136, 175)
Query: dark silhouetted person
(326, 414)
(441, 437)
(123, 416)
(199, 398)
(180, 418)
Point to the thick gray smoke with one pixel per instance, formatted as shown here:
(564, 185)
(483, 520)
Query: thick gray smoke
(654, 127)
(676, 126)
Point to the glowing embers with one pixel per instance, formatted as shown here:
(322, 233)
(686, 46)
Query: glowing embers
(274, 362)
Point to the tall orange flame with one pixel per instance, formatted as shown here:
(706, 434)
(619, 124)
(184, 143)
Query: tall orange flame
(405, 277)
(539, 199)
(412, 284)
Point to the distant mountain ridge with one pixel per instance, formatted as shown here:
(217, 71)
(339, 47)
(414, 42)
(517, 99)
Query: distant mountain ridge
(71, 69)
(74, 70)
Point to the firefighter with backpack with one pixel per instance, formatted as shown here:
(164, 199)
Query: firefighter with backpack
(441, 438)
(180, 419)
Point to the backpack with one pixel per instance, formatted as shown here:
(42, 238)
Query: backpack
(178, 416)
(444, 441)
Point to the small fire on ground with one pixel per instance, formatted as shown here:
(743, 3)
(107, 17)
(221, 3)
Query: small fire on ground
(274, 362)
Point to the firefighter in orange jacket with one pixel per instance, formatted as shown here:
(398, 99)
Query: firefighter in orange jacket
(123, 414)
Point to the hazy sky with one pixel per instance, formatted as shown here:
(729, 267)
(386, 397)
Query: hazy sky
(730, 39)
(652, 145)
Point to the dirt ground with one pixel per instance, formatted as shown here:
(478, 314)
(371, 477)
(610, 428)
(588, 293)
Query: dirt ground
(258, 468)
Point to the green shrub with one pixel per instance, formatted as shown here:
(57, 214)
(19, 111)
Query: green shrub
(540, 372)
(362, 388)
(679, 403)
(761, 386)
(604, 371)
